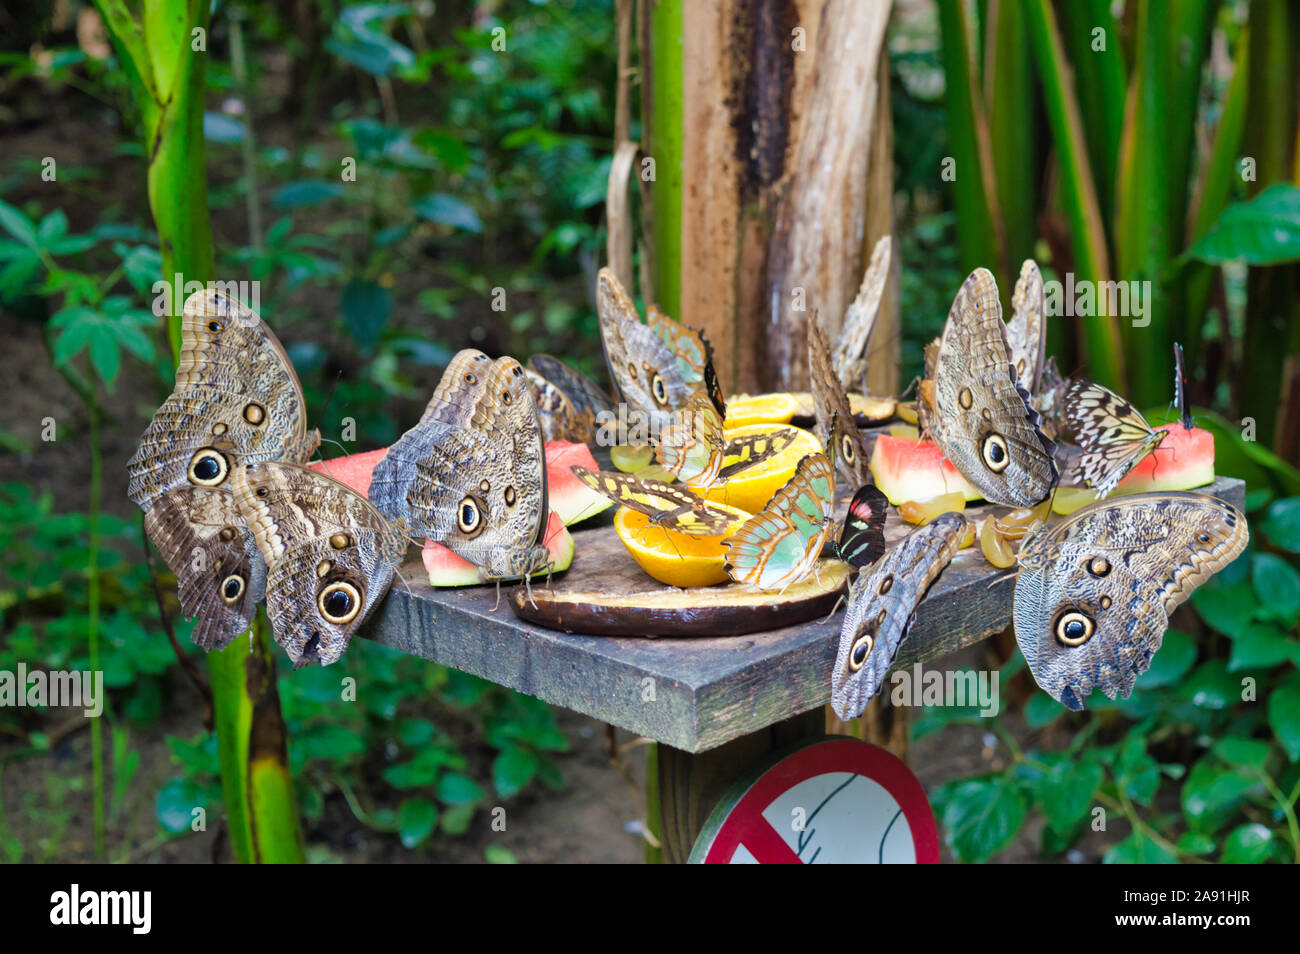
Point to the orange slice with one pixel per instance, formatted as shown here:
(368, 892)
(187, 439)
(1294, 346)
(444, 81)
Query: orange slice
(752, 488)
(677, 559)
(760, 409)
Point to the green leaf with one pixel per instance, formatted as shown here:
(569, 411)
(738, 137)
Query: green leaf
(1228, 608)
(308, 192)
(512, 770)
(1195, 843)
(1041, 709)
(1211, 686)
(1066, 792)
(366, 305)
(1138, 849)
(1262, 231)
(981, 817)
(456, 819)
(52, 228)
(1282, 525)
(457, 789)
(1247, 844)
(1261, 646)
(1238, 751)
(1136, 772)
(18, 225)
(1212, 795)
(334, 743)
(1277, 585)
(448, 210)
(1176, 656)
(1284, 717)
(497, 855)
(415, 732)
(415, 820)
(105, 355)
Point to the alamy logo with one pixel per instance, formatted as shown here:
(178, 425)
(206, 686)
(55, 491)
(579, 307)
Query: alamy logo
(56, 688)
(133, 908)
(1084, 299)
(169, 296)
(933, 687)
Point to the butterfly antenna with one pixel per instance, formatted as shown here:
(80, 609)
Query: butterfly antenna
(330, 397)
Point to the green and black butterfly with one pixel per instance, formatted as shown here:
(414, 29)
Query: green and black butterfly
(781, 545)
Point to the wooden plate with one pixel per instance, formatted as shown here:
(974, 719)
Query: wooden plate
(605, 593)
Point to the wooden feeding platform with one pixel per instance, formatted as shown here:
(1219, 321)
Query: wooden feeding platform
(734, 697)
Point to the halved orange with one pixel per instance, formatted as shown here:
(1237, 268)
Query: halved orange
(752, 488)
(677, 559)
(760, 409)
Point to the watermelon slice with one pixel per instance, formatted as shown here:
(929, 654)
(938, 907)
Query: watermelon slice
(1184, 459)
(446, 568)
(573, 500)
(915, 470)
(354, 470)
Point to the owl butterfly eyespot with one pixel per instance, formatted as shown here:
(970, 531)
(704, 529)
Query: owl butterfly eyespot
(1094, 592)
(645, 371)
(882, 605)
(980, 414)
(473, 436)
(236, 401)
(330, 556)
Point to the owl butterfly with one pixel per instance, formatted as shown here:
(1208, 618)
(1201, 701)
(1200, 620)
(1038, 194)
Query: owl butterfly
(236, 401)
(693, 352)
(882, 608)
(567, 401)
(781, 545)
(836, 425)
(643, 368)
(695, 448)
(1180, 388)
(471, 474)
(1027, 329)
(1094, 592)
(1113, 434)
(330, 555)
(850, 358)
(667, 505)
(862, 541)
(981, 417)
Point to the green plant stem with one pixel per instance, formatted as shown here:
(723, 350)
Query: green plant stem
(92, 637)
(1287, 805)
(667, 145)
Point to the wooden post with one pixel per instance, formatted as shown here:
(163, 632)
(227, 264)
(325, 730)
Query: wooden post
(690, 785)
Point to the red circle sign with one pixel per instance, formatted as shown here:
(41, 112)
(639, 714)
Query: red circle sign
(835, 800)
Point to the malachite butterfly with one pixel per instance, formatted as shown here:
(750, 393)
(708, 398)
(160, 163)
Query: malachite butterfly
(781, 546)
(667, 505)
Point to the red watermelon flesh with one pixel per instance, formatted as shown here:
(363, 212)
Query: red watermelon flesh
(573, 500)
(354, 470)
(1184, 459)
(906, 470)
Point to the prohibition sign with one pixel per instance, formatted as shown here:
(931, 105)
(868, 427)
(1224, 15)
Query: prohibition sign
(833, 800)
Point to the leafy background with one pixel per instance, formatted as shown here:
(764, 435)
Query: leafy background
(476, 170)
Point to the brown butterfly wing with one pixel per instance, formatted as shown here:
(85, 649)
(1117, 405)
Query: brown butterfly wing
(330, 556)
(220, 574)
